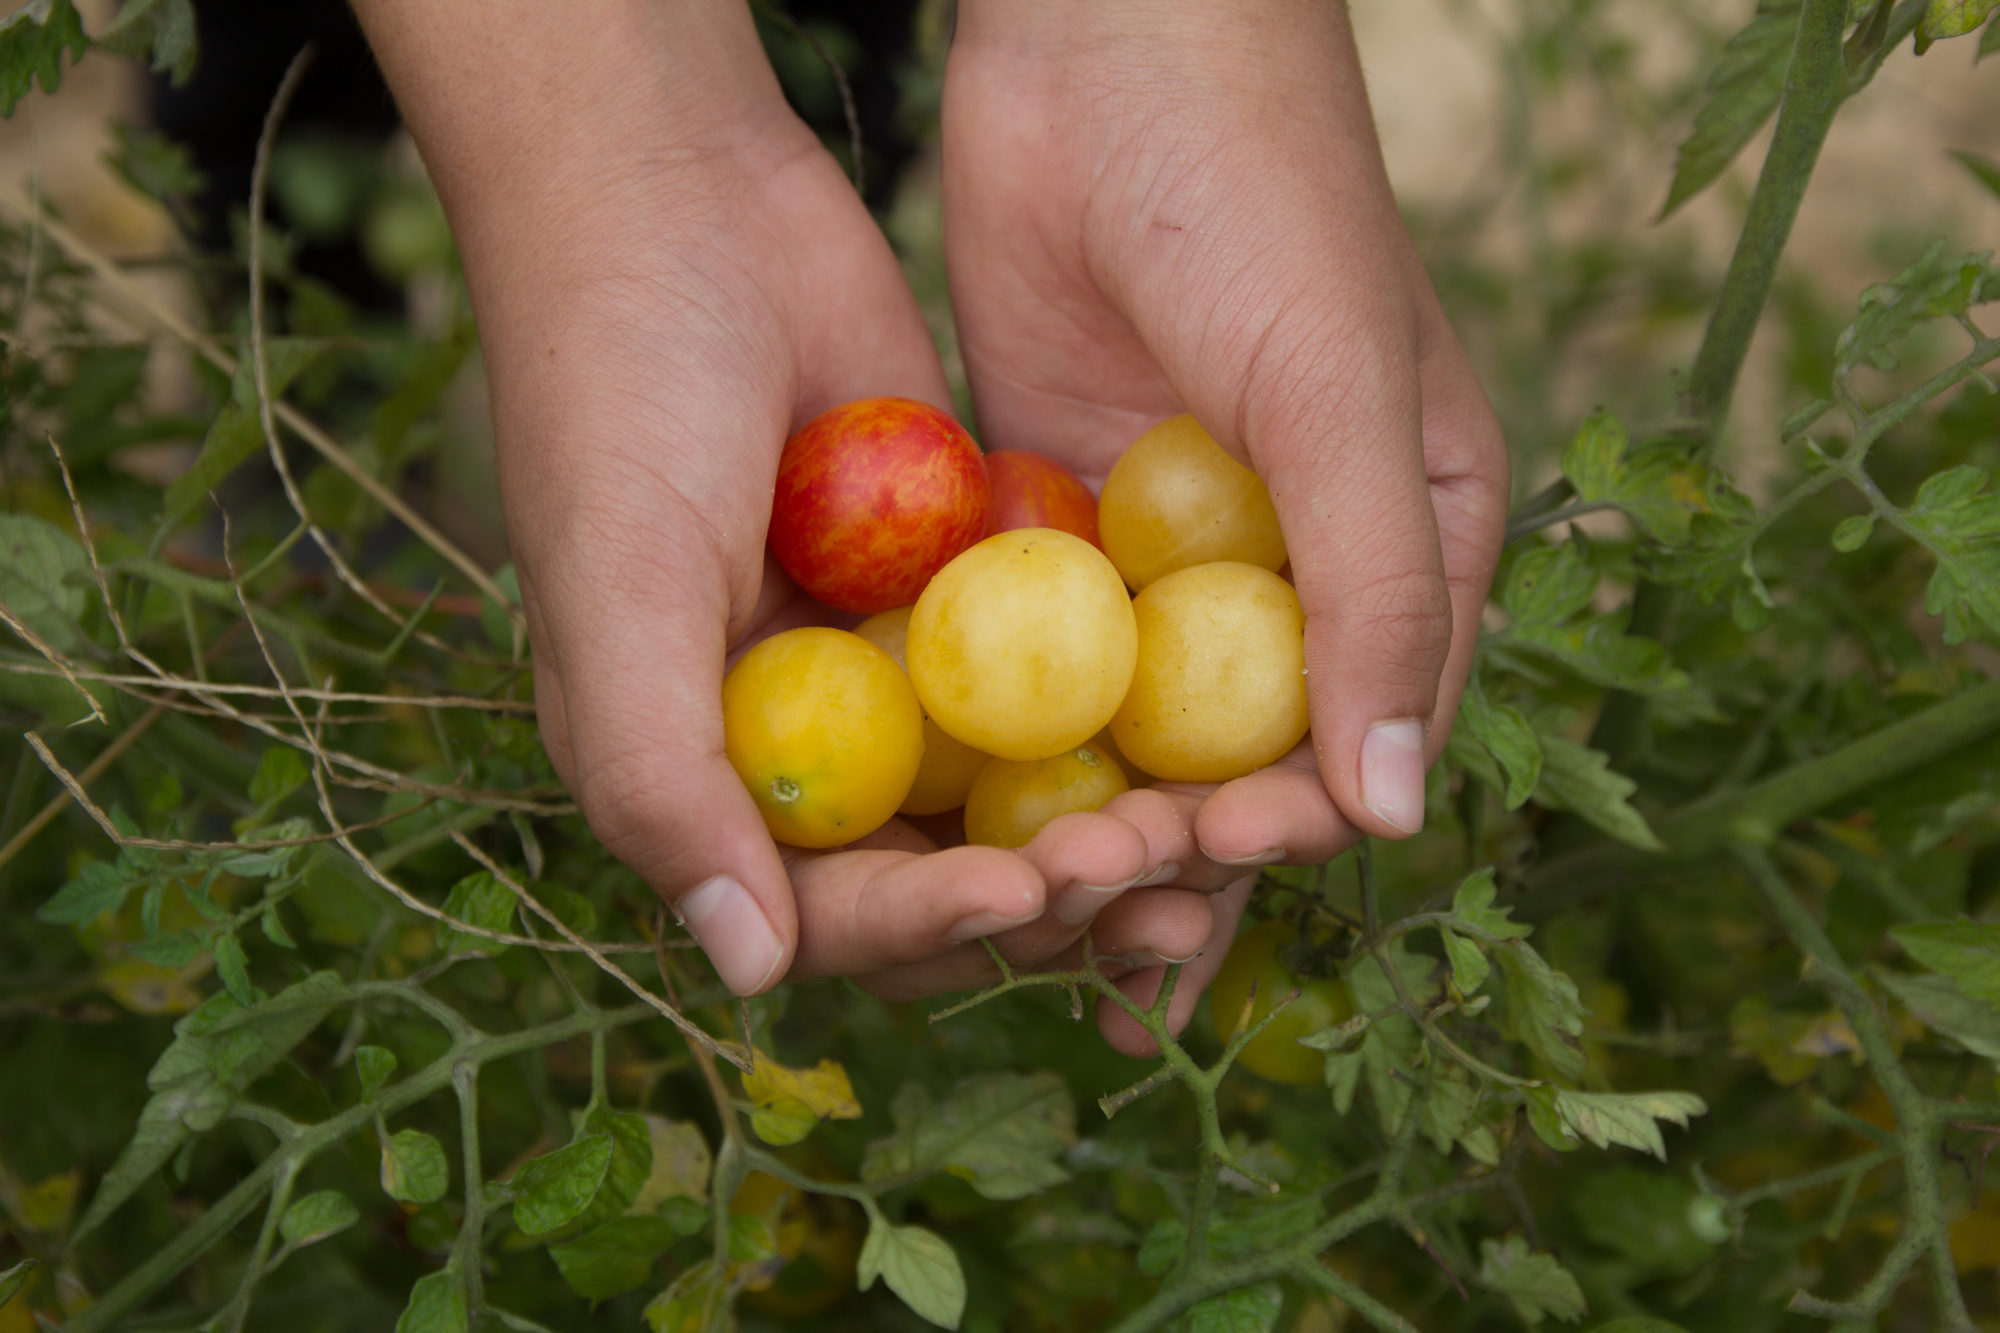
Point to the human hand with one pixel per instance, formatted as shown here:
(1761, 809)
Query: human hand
(670, 275)
(1154, 206)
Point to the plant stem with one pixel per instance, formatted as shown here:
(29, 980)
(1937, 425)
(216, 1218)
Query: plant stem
(466, 1250)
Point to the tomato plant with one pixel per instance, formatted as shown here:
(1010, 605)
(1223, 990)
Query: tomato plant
(1256, 979)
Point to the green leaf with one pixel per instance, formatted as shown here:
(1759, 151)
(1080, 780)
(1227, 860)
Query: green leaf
(1640, 1215)
(751, 1240)
(1543, 1011)
(690, 1302)
(1989, 41)
(1743, 91)
(1535, 1283)
(1638, 1323)
(919, 1267)
(1945, 1009)
(424, 381)
(1000, 1132)
(1546, 591)
(1660, 489)
(1454, 1097)
(236, 432)
(1955, 18)
(162, 29)
(1578, 778)
(16, 1278)
(43, 576)
(317, 1216)
(1472, 903)
(1934, 287)
(1985, 170)
(414, 1168)
(1958, 521)
(614, 1258)
(1505, 735)
(1392, 1045)
(482, 900)
(157, 167)
(1967, 952)
(630, 1167)
(551, 1190)
(1244, 1310)
(98, 888)
(281, 770)
(374, 1064)
(234, 968)
(1628, 1118)
(1853, 532)
(437, 1305)
(32, 41)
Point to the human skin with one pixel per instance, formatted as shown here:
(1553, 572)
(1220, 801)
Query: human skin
(1150, 208)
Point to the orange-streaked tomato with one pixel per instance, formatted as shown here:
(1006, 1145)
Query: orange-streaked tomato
(1031, 490)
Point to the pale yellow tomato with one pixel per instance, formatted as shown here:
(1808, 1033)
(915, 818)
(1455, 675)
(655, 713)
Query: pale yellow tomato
(824, 730)
(1134, 775)
(1023, 645)
(1220, 688)
(1256, 975)
(949, 764)
(1013, 798)
(1175, 499)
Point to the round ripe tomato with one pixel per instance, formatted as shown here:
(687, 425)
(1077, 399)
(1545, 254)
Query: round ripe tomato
(1175, 499)
(1258, 958)
(1024, 645)
(872, 498)
(1134, 775)
(1031, 490)
(1013, 798)
(824, 730)
(817, 1248)
(1220, 686)
(949, 764)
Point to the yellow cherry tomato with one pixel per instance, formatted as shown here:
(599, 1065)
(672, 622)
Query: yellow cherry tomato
(824, 730)
(1134, 775)
(1023, 645)
(1013, 798)
(1258, 958)
(1220, 688)
(949, 764)
(1175, 499)
(817, 1248)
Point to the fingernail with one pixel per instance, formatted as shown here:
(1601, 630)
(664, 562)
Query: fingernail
(981, 924)
(1080, 902)
(1147, 958)
(732, 930)
(1270, 856)
(1392, 772)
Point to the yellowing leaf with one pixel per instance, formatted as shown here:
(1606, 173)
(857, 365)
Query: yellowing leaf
(790, 1102)
(43, 1208)
(149, 988)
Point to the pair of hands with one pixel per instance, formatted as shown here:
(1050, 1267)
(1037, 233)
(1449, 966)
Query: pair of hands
(1150, 206)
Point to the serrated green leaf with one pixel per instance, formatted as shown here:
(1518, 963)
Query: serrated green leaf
(550, 1191)
(1628, 1118)
(163, 31)
(97, 888)
(1934, 287)
(1743, 91)
(1505, 735)
(1967, 952)
(1454, 1097)
(1580, 779)
(1002, 1133)
(274, 928)
(480, 899)
(1469, 968)
(32, 41)
(1659, 489)
(631, 1163)
(690, 1302)
(1472, 903)
(1534, 1283)
(1955, 18)
(373, 1064)
(919, 1267)
(1244, 1310)
(1853, 532)
(233, 968)
(1543, 1011)
(317, 1216)
(1945, 1009)
(612, 1259)
(414, 1168)
(43, 577)
(281, 770)
(1392, 1045)
(1958, 520)
(437, 1305)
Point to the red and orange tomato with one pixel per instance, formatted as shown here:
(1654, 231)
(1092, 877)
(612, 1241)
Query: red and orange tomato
(1031, 490)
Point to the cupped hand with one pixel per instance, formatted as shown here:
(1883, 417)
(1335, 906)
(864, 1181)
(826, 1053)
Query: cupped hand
(1153, 206)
